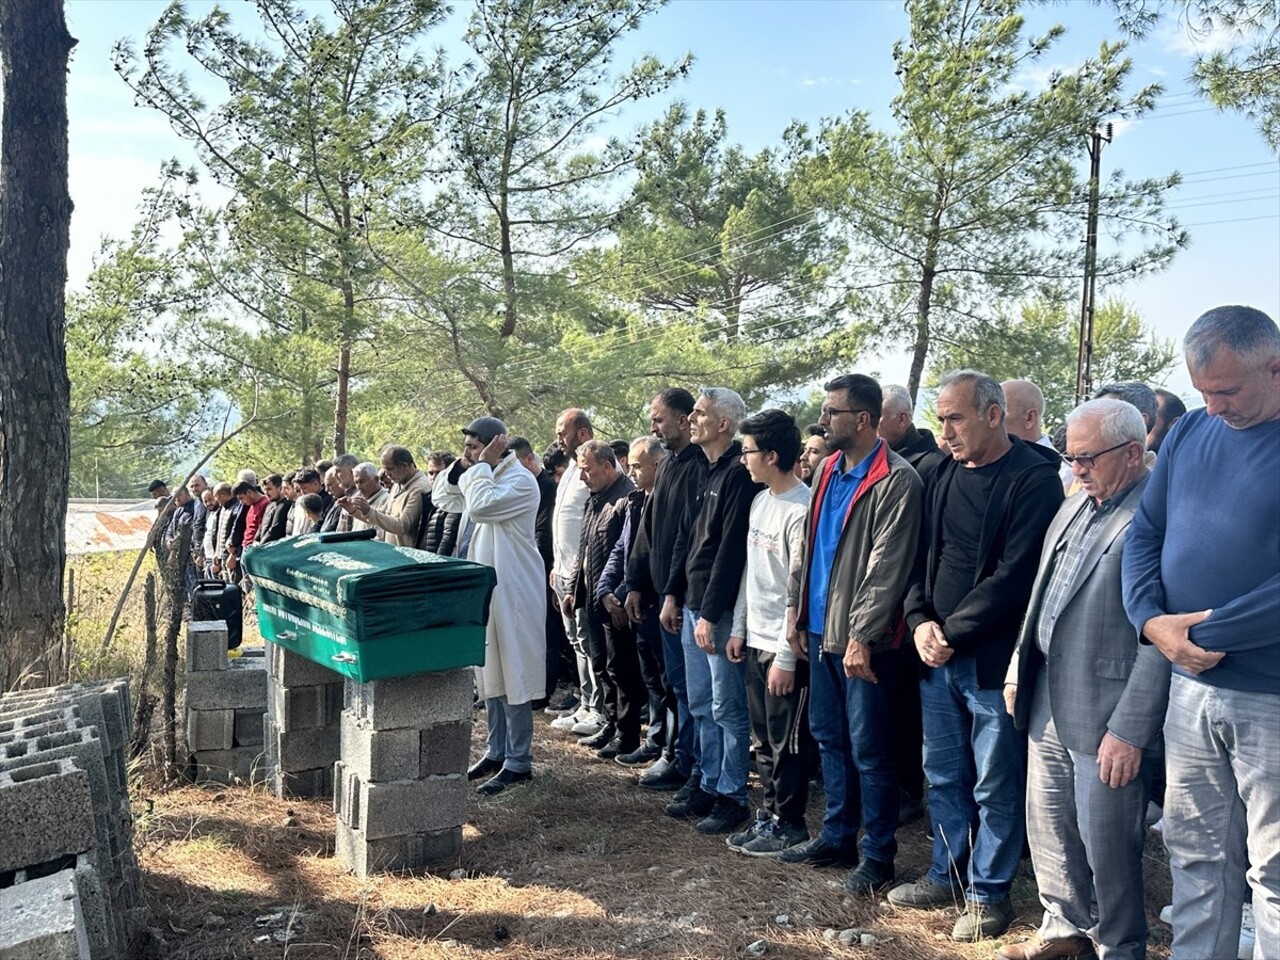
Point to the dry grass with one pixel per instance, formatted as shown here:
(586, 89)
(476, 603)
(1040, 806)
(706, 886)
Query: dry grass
(581, 864)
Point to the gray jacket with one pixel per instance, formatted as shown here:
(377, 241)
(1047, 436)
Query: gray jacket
(1100, 678)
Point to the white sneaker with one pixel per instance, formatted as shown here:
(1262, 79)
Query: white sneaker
(567, 723)
(590, 725)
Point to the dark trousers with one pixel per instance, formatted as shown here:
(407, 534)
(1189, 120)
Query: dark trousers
(662, 698)
(780, 726)
(614, 660)
(557, 644)
(908, 724)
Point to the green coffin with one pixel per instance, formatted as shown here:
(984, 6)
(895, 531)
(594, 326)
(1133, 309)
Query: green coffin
(370, 610)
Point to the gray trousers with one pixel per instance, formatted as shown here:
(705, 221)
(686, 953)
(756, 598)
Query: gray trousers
(1086, 839)
(575, 629)
(1222, 817)
(510, 736)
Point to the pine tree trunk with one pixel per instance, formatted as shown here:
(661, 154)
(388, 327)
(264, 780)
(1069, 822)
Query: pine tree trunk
(35, 222)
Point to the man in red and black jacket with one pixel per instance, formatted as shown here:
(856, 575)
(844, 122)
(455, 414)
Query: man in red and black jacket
(859, 546)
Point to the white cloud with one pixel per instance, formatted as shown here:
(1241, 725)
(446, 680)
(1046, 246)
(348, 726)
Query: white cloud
(809, 81)
(1195, 40)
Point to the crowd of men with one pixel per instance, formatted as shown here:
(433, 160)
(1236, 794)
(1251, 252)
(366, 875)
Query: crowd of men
(1037, 635)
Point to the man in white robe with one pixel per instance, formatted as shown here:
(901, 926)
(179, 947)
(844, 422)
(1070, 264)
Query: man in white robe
(500, 498)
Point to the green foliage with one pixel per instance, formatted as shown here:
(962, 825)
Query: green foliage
(976, 195)
(1244, 77)
(1038, 341)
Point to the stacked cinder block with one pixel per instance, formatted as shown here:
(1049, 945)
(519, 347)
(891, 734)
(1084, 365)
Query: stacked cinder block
(226, 699)
(400, 789)
(69, 883)
(304, 703)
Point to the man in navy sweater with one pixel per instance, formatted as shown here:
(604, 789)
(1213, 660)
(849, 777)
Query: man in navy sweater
(1202, 582)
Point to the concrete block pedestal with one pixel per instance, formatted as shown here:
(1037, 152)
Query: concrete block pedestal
(400, 787)
(300, 728)
(226, 699)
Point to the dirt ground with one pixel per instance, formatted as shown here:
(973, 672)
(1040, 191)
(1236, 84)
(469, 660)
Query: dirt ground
(580, 864)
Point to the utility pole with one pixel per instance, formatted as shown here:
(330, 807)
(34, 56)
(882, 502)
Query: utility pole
(1084, 359)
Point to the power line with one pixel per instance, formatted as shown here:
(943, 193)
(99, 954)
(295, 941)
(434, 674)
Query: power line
(1223, 203)
(1210, 223)
(1239, 166)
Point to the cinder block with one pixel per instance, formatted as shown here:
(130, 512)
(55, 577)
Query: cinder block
(85, 701)
(103, 704)
(403, 807)
(34, 730)
(304, 707)
(417, 701)
(302, 783)
(41, 919)
(444, 749)
(211, 729)
(305, 749)
(363, 856)
(241, 686)
(206, 645)
(105, 930)
(247, 728)
(378, 755)
(295, 670)
(227, 766)
(46, 812)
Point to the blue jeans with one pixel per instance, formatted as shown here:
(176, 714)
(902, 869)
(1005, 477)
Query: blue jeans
(718, 702)
(975, 763)
(1222, 816)
(850, 719)
(510, 736)
(686, 752)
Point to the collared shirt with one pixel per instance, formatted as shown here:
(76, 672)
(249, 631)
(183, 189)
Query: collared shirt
(1080, 535)
(835, 507)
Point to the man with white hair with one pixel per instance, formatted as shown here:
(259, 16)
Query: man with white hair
(368, 486)
(916, 445)
(717, 555)
(1025, 416)
(1202, 583)
(1092, 699)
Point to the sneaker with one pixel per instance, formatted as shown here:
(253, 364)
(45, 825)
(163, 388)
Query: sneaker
(871, 876)
(566, 705)
(614, 748)
(692, 782)
(699, 805)
(599, 739)
(924, 894)
(818, 853)
(762, 822)
(725, 817)
(569, 720)
(982, 921)
(589, 725)
(647, 752)
(773, 843)
(663, 775)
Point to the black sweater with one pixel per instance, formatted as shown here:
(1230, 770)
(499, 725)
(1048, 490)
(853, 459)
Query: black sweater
(717, 551)
(656, 563)
(1025, 495)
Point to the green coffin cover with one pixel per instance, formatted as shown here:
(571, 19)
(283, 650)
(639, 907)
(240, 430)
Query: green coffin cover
(370, 610)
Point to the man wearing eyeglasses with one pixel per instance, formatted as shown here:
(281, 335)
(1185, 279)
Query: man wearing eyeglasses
(1202, 584)
(1091, 699)
(860, 538)
(985, 514)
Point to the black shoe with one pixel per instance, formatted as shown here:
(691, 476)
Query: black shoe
(482, 768)
(540, 704)
(564, 706)
(692, 783)
(872, 876)
(663, 775)
(505, 778)
(647, 752)
(725, 817)
(699, 805)
(597, 741)
(818, 853)
(615, 747)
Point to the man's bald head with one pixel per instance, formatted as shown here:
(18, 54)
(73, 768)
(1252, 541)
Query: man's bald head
(1024, 418)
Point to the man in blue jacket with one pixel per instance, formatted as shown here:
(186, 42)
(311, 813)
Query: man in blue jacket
(1202, 583)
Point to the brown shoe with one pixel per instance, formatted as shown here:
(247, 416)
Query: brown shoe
(1072, 948)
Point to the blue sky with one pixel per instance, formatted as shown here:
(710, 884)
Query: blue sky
(767, 62)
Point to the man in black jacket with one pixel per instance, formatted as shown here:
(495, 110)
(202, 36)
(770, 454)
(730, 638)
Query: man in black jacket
(271, 528)
(985, 515)
(714, 561)
(655, 573)
(611, 644)
(916, 445)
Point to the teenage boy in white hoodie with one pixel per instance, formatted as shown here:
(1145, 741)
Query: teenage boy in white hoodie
(777, 684)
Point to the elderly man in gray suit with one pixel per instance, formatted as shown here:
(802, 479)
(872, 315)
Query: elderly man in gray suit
(1091, 699)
